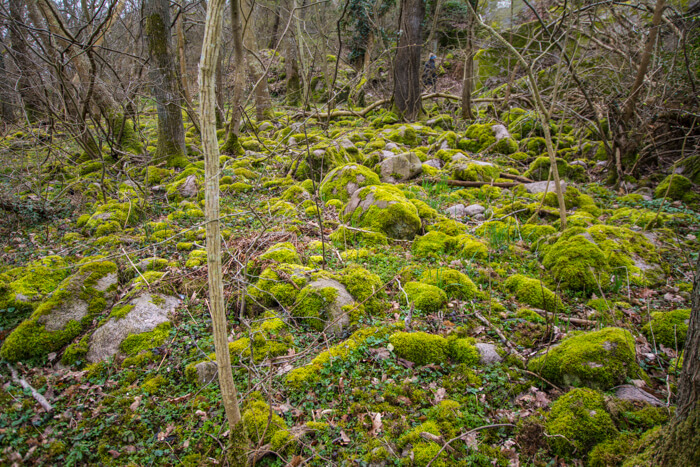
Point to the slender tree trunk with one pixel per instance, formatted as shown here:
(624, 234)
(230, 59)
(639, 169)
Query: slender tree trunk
(263, 105)
(646, 59)
(211, 45)
(294, 92)
(274, 34)
(27, 90)
(407, 85)
(231, 145)
(468, 81)
(163, 74)
(220, 93)
(182, 58)
(7, 111)
(680, 444)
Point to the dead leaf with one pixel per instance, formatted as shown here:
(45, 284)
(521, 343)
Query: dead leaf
(376, 424)
(440, 395)
(135, 404)
(114, 453)
(201, 413)
(470, 440)
(344, 439)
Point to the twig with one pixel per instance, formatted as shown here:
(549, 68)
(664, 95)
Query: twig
(135, 268)
(35, 394)
(462, 436)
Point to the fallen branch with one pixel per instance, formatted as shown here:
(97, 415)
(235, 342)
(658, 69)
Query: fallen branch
(516, 178)
(464, 435)
(579, 321)
(35, 394)
(436, 439)
(474, 184)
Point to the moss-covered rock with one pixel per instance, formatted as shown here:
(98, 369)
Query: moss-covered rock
(539, 170)
(598, 359)
(343, 181)
(278, 285)
(475, 171)
(320, 305)
(580, 417)
(420, 348)
(576, 263)
(533, 292)
(680, 188)
(463, 350)
(668, 328)
(433, 244)
(383, 209)
(21, 288)
(454, 283)
(425, 297)
(365, 287)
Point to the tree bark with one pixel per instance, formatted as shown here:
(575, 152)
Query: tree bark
(231, 145)
(211, 45)
(468, 79)
(27, 90)
(407, 100)
(182, 58)
(7, 111)
(163, 73)
(680, 444)
(294, 90)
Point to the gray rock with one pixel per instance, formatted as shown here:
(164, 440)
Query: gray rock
(400, 221)
(629, 392)
(541, 187)
(488, 354)
(387, 154)
(149, 310)
(264, 126)
(500, 132)
(456, 212)
(579, 162)
(400, 168)
(390, 146)
(444, 145)
(338, 319)
(437, 163)
(459, 157)
(292, 141)
(479, 217)
(474, 209)
(189, 188)
(206, 372)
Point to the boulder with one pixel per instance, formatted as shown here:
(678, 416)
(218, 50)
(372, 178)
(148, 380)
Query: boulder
(475, 171)
(474, 209)
(321, 305)
(188, 189)
(141, 314)
(630, 392)
(206, 372)
(500, 132)
(437, 163)
(541, 187)
(400, 167)
(458, 211)
(383, 209)
(488, 354)
(343, 181)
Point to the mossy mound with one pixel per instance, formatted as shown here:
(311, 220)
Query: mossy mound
(365, 287)
(20, 288)
(278, 285)
(383, 209)
(539, 170)
(598, 359)
(420, 348)
(424, 297)
(574, 199)
(668, 328)
(580, 417)
(344, 236)
(322, 304)
(680, 188)
(475, 171)
(280, 253)
(343, 181)
(454, 283)
(578, 264)
(533, 292)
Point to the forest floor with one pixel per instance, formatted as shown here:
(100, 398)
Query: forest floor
(378, 314)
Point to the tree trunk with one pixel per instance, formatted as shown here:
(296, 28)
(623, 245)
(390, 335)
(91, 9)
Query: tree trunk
(27, 90)
(182, 58)
(163, 74)
(407, 85)
(211, 45)
(680, 444)
(468, 78)
(263, 106)
(231, 145)
(644, 64)
(7, 111)
(292, 68)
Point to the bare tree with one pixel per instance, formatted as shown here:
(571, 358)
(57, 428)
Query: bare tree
(171, 135)
(407, 92)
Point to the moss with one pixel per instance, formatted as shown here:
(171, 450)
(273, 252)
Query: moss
(136, 343)
(447, 226)
(33, 282)
(481, 135)
(668, 328)
(120, 311)
(420, 348)
(539, 170)
(278, 285)
(533, 293)
(463, 350)
(576, 263)
(384, 209)
(155, 175)
(153, 384)
(454, 283)
(365, 287)
(532, 232)
(470, 248)
(573, 198)
(280, 253)
(681, 188)
(261, 422)
(139, 360)
(312, 305)
(433, 244)
(196, 258)
(598, 359)
(613, 451)
(343, 181)
(424, 297)
(530, 315)
(506, 146)
(475, 171)
(580, 417)
(344, 236)
(425, 212)
(75, 352)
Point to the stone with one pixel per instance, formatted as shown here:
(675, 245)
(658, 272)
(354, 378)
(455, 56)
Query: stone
(337, 318)
(456, 212)
(500, 132)
(383, 209)
(437, 163)
(474, 209)
(629, 392)
(488, 354)
(206, 372)
(189, 188)
(390, 146)
(541, 187)
(387, 154)
(400, 168)
(459, 157)
(149, 310)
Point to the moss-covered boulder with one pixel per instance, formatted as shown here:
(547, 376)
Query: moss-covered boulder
(65, 313)
(324, 304)
(580, 418)
(365, 287)
(425, 297)
(576, 263)
(22, 288)
(598, 359)
(678, 188)
(280, 253)
(475, 171)
(420, 348)
(383, 209)
(454, 283)
(533, 292)
(138, 324)
(343, 181)
(668, 328)
(539, 170)
(277, 286)
(400, 167)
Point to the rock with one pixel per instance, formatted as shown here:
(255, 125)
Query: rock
(500, 132)
(189, 188)
(472, 170)
(479, 217)
(390, 146)
(343, 181)
(488, 354)
(206, 372)
(459, 157)
(148, 311)
(458, 211)
(474, 209)
(400, 168)
(541, 187)
(293, 142)
(386, 154)
(383, 209)
(264, 126)
(437, 163)
(629, 392)
(320, 304)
